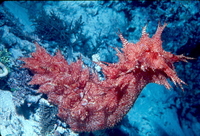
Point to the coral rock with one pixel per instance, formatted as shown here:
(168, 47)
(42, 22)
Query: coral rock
(88, 104)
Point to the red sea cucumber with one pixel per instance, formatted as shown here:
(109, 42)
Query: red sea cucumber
(88, 104)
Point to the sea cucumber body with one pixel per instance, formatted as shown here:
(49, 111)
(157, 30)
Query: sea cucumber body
(88, 104)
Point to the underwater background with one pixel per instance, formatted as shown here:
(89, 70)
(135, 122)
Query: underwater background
(88, 29)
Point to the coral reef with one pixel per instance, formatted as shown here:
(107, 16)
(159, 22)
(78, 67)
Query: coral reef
(5, 57)
(67, 34)
(47, 117)
(5, 61)
(23, 94)
(15, 27)
(88, 104)
(3, 70)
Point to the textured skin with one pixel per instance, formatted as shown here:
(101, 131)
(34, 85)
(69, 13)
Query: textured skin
(88, 104)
